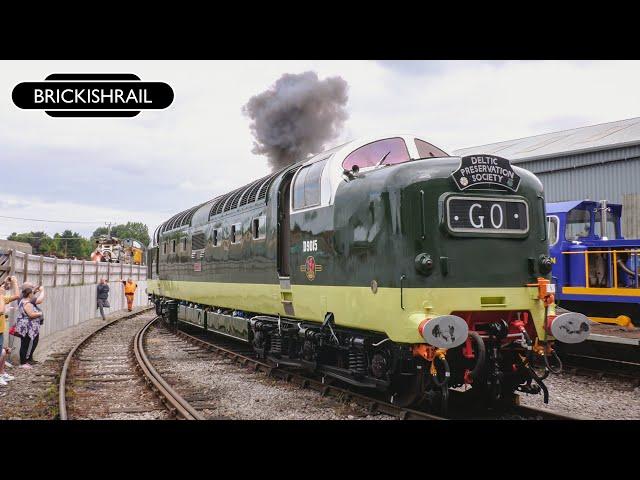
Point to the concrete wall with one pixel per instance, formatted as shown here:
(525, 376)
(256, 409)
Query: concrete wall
(65, 307)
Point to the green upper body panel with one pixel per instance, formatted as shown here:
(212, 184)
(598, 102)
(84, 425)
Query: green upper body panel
(373, 230)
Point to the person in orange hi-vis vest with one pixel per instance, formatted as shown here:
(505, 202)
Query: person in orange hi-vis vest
(129, 290)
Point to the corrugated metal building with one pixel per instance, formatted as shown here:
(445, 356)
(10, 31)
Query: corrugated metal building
(596, 162)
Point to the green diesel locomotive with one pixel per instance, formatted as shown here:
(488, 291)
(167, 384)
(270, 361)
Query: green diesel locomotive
(383, 263)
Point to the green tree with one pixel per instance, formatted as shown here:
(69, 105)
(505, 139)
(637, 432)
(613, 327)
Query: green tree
(136, 230)
(71, 244)
(40, 241)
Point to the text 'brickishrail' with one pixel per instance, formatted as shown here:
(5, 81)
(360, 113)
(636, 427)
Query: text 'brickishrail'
(91, 95)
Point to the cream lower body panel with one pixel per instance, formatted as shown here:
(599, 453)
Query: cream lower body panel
(357, 307)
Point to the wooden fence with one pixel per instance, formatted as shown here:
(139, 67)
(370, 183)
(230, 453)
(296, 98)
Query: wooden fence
(56, 272)
(71, 287)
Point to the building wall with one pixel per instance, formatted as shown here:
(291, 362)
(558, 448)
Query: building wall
(10, 244)
(612, 175)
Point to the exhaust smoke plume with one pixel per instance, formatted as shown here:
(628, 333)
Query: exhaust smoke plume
(296, 117)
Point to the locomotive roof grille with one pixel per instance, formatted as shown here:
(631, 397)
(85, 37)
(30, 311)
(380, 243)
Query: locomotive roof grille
(251, 192)
(223, 206)
(190, 213)
(233, 202)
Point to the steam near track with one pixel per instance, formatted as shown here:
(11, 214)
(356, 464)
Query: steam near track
(297, 116)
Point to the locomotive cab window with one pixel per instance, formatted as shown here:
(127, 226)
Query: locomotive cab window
(426, 150)
(612, 224)
(173, 246)
(164, 248)
(215, 238)
(306, 187)
(389, 151)
(184, 244)
(258, 228)
(552, 229)
(578, 224)
(236, 232)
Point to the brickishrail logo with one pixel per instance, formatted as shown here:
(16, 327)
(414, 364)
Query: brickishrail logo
(92, 95)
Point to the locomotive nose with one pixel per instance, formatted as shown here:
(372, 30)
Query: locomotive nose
(445, 331)
(571, 327)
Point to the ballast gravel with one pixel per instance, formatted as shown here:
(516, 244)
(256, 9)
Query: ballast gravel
(104, 382)
(34, 392)
(224, 390)
(589, 397)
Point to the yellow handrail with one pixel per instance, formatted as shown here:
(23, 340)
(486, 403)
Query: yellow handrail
(631, 252)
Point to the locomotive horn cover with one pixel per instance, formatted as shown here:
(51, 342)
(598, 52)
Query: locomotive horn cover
(571, 327)
(446, 331)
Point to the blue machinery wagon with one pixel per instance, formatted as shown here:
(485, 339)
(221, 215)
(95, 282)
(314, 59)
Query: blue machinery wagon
(595, 269)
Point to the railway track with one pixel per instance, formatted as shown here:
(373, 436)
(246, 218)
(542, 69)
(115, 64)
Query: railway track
(243, 355)
(110, 364)
(602, 368)
(107, 367)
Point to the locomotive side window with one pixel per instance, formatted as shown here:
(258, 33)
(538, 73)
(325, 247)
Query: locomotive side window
(552, 230)
(578, 224)
(258, 227)
(426, 150)
(388, 152)
(173, 246)
(215, 238)
(184, 244)
(306, 188)
(236, 232)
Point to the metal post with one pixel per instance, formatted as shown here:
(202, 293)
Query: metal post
(70, 270)
(12, 262)
(586, 268)
(83, 270)
(97, 264)
(41, 270)
(25, 267)
(55, 272)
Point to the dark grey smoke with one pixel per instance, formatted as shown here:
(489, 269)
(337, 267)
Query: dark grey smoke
(297, 116)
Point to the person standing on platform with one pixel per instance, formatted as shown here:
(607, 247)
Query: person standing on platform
(28, 324)
(103, 297)
(4, 377)
(129, 290)
(11, 294)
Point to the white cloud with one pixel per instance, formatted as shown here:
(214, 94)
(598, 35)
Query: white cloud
(160, 162)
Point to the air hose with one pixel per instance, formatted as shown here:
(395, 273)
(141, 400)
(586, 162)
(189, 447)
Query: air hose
(555, 355)
(445, 366)
(557, 359)
(480, 355)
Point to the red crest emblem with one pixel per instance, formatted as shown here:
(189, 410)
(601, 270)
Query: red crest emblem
(310, 268)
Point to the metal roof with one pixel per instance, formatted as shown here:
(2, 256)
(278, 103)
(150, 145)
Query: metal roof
(562, 207)
(621, 133)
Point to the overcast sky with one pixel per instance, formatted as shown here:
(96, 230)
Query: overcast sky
(151, 166)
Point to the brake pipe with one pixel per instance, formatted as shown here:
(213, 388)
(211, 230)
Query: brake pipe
(474, 374)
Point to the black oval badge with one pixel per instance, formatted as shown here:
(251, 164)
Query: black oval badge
(92, 95)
